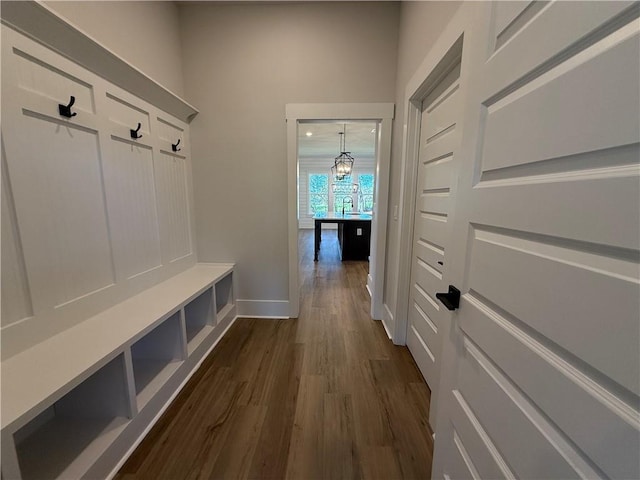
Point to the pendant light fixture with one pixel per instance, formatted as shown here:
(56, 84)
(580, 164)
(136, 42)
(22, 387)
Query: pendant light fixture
(343, 163)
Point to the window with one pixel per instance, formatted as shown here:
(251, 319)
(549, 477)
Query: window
(365, 195)
(343, 195)
(318, 193)
(326, 194)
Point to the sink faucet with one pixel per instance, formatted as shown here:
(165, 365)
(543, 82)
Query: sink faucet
(349, 200)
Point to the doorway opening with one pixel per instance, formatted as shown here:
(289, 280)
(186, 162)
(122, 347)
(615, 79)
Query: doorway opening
(325, 118)
(321, 190)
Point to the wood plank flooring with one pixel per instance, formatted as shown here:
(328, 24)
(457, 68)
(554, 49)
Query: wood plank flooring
(324, 396)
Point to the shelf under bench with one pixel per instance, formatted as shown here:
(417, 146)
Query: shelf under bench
(96, 380)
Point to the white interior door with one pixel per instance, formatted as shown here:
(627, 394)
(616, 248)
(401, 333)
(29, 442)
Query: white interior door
(438, 140)
(541, 376)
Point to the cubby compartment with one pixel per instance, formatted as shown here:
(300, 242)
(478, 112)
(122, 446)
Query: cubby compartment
(63, 440)
(156, 356)
(224, 296)
(198, 316)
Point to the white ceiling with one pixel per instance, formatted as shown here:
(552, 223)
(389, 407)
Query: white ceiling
(325, 139)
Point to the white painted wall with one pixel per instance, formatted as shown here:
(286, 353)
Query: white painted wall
(146, 34)
(243, 63)
(420, 25)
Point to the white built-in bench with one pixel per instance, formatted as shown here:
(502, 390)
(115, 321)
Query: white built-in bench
(78, 403)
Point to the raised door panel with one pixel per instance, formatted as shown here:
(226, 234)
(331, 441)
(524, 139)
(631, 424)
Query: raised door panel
(510, 16)
(569, 397)
(522, 436)
(430, 254)
(506, 13)
(575, 111)
(481, 450)
(549, 33)
(541, 300)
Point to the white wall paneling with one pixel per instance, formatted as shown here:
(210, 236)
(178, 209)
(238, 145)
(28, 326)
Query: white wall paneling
(91, 215)
(173, 189)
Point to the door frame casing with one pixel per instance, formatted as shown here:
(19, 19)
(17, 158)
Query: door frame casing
(426, 76)
(383, 114)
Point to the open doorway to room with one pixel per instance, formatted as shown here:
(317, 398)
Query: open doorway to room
(326, 193)
(321, 189)
(315, 137)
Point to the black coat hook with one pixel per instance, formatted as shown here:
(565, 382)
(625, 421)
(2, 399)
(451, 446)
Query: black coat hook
(134, 133)
(174, 146)
(65, 110)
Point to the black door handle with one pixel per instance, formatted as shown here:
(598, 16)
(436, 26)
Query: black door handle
(451, 299)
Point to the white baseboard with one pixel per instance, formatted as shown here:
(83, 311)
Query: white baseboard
(387, 320)
(263, 308)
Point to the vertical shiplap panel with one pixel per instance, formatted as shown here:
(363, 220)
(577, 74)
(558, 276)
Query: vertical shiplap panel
(173, 205)
(58, 187)
(304, 218)
(55, 169)
(132, 208)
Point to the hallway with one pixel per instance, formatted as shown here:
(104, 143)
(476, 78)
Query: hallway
(323, 396)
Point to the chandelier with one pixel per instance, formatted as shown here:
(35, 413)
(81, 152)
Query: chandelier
(343, 163)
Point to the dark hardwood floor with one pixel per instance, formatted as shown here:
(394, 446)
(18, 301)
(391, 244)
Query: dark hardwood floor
(324, 396)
